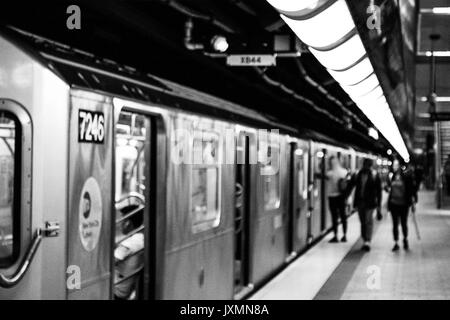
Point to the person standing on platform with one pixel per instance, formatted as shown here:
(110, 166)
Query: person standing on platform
(337, 184)
(402, 195)
(367, 199)
(418, 174)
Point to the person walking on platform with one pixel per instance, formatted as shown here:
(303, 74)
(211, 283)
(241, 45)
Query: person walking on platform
(402, 195)
(367, 199)
(337, 184)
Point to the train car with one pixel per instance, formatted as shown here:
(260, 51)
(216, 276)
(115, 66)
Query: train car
(97, 158)
(300, 217)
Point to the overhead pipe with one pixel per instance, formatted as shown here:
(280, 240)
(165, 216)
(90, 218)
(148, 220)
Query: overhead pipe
(327, 94)
(193, 14)
(243, 6)
(295, 95)
(188, 39)
(197, 15)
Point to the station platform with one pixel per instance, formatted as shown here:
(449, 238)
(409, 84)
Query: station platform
(341, 271)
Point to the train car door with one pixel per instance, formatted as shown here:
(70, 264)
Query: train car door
(19, 239)
(346, 163)
(298, 207)
(242, 214)
(90, 196)
(134, 207)
(316, 196)
(324, 167)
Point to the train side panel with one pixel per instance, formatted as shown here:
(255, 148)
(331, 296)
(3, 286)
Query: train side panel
(299, 195)
(90, 210)
(316, 192)
(270, 220)
(45, 99)
(199, 240)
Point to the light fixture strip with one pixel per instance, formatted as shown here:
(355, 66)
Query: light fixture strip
(436, 53)
(313, 29)
(436, 10)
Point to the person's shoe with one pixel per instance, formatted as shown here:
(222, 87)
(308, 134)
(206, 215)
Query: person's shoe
(366, 247)
(405, 244)
(344, 239)
(395, 248)
(334, 240)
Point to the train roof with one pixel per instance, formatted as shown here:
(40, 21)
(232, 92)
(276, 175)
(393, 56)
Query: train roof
(81, 69)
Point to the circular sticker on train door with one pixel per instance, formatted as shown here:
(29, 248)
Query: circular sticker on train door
(90, 214)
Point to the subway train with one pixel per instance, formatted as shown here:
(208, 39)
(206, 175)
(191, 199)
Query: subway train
(227, 196)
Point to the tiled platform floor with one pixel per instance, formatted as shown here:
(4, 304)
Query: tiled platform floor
(421, 273)
(302, 279)
(342, 271)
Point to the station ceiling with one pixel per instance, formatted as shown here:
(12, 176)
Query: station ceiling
(148, 35)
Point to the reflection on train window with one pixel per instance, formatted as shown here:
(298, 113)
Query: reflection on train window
(319, 163)
(130, 156)
(270, 172)
(302, 177)
(205, 182)
(205, 148)
(132, 149)
(8, 128)
(345, 162)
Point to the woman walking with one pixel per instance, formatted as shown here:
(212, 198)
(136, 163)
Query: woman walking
(402, 194)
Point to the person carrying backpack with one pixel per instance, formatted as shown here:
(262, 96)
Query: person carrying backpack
(402, 194)
(337, 185)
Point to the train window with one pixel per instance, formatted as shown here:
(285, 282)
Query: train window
(205, 182)
(318, 164)
(344, 160)
(347, 162)
(302, 176)
(9, 185)
(130, 156)
(271, 176)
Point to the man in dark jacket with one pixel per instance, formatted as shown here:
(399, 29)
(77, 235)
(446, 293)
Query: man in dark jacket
(402, 194)
(367, 198)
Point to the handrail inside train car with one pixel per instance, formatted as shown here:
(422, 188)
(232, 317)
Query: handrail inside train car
(129, 196)
(131, 214)
(9, 282)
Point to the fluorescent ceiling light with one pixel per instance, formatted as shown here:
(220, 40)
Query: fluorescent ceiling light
(343, 56)
(353, 75)
(363, 87)
(438, 99)
(292, 6)
(373, 133)
(367, 98)
(441, 10)
(327, 35)
(438, 53)
(324, 29)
